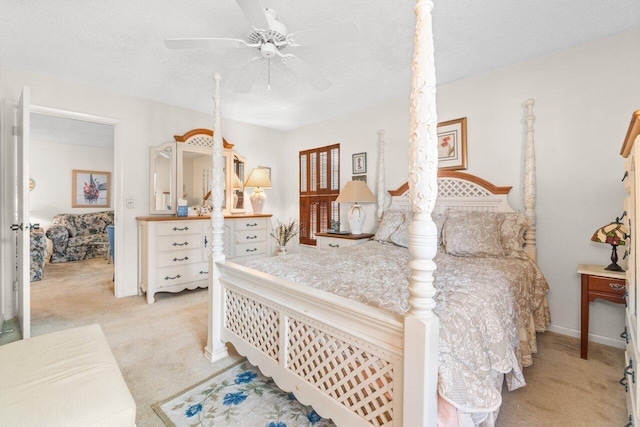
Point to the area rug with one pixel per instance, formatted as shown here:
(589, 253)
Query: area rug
(238, 396)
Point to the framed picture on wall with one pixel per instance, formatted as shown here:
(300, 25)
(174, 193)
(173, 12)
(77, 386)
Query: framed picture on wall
(452, 144)
(359, 163)
(90, 189)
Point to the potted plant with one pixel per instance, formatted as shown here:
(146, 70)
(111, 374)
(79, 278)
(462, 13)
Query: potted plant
(284, 232)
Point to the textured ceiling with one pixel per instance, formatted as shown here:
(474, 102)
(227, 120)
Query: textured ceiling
(118, 45)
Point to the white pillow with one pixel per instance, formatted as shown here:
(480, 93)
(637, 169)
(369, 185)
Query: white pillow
(401, 236)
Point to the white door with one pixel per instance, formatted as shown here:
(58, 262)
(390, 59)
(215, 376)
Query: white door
(23, 256)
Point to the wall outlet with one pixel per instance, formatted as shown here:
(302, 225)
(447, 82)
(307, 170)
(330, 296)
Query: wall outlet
(130, 202)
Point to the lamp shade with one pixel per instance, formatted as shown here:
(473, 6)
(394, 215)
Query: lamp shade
(258, 178)
(613, 234)
(356, 192)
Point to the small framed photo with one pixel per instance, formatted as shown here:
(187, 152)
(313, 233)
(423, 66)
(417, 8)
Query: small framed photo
(452, 145)
(362, 178)
(90, 189)
(360, 163)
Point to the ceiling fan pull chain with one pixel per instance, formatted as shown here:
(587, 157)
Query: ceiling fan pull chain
(269, 74)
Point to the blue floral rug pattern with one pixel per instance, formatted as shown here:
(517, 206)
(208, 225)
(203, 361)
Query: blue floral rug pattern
(239, 396)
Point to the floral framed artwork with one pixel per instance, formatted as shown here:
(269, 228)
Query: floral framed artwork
(452, 144)
(90, 189)
(359, 163)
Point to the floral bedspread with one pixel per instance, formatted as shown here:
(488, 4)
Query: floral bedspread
(489, 309)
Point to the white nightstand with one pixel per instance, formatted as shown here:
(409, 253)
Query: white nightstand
(334, 241)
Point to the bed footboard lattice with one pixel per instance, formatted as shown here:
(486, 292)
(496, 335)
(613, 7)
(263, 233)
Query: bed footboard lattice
(355, 378)
(352, 376)
(255, 323)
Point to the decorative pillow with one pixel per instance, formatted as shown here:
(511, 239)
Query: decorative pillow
(473, 234)
(391, 220)
(401, 236)
(512, 234)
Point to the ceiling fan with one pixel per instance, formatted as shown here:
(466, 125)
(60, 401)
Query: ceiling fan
(270, 38)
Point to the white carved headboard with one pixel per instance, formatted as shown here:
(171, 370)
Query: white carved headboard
(459, 191)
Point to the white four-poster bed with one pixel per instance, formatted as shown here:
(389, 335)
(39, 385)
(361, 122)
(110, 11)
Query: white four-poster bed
(357, 364)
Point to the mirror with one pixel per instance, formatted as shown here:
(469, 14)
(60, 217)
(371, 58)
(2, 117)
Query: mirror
(194, 175)
(162, 178)
(237, 183)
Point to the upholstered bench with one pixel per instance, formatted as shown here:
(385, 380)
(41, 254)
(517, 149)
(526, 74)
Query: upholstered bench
(66, 378)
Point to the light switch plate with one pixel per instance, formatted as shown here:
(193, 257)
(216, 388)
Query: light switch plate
(130, 202)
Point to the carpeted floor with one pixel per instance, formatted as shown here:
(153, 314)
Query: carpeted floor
(159, 350)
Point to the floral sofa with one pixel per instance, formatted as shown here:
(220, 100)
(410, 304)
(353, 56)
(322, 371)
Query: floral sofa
(38, 252)
(74, 235)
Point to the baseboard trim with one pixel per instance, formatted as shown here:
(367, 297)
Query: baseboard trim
(612, 342)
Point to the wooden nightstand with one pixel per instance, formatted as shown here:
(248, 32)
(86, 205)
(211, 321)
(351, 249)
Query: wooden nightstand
(598, 283)
(334, 241)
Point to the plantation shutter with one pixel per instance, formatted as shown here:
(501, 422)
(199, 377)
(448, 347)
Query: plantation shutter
(319, 188)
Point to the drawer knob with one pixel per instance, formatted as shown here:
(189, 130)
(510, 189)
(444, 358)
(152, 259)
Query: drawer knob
(252, 225)
(331, 245)
(623, 381)
(180, 244)
(252, 250)
(617, 286)
(629, 371)
(180, 229)
(252, 237)
(180, 259)
(203, 272)
(177, 276)
(625, 335)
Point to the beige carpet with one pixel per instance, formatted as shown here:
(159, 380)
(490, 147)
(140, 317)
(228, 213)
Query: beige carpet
(159, 350)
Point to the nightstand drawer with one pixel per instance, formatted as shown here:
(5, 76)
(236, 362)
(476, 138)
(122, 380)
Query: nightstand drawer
(605, 284)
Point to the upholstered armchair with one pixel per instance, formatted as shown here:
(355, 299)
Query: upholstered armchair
(74, 235)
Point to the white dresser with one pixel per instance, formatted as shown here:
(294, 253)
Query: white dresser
(630, 380)
(174, 252)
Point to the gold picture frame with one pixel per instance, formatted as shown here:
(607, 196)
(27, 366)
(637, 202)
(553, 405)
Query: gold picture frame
(452, 145)
(90, 189)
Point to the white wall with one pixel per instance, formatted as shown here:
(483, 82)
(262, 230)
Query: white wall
(143, 123)
(50, 166)
(584, 98)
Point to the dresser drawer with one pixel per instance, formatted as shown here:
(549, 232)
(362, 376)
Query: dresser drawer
(605, 284)
(250, 224)
(173, 258)
(249, 249)
(250, 236)
(173, 243)
(171, 276)
(330, 243)
(176, 228)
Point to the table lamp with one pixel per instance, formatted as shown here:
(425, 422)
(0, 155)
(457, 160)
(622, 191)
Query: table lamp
(614, 234)
(356, 192)
(259, 180)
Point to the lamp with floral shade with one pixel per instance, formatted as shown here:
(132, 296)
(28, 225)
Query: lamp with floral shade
(614, 234)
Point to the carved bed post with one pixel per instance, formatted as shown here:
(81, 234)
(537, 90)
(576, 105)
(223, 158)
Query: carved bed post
(381, 186)
(530, 185)
(216, 349)
(421, 325)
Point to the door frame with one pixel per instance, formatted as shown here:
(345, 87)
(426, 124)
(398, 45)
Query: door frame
(117, 181)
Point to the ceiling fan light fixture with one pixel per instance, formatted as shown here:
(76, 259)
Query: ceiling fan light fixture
(268, 50)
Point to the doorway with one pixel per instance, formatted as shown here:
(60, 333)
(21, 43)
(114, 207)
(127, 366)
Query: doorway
(82, 136)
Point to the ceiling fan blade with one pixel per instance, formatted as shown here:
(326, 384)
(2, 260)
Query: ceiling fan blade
(331, 34)
(249, 77)
(203, 43)
(255, 14)
(302, 69)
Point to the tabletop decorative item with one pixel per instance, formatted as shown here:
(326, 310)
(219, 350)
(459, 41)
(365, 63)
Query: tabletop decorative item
(283, 232)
